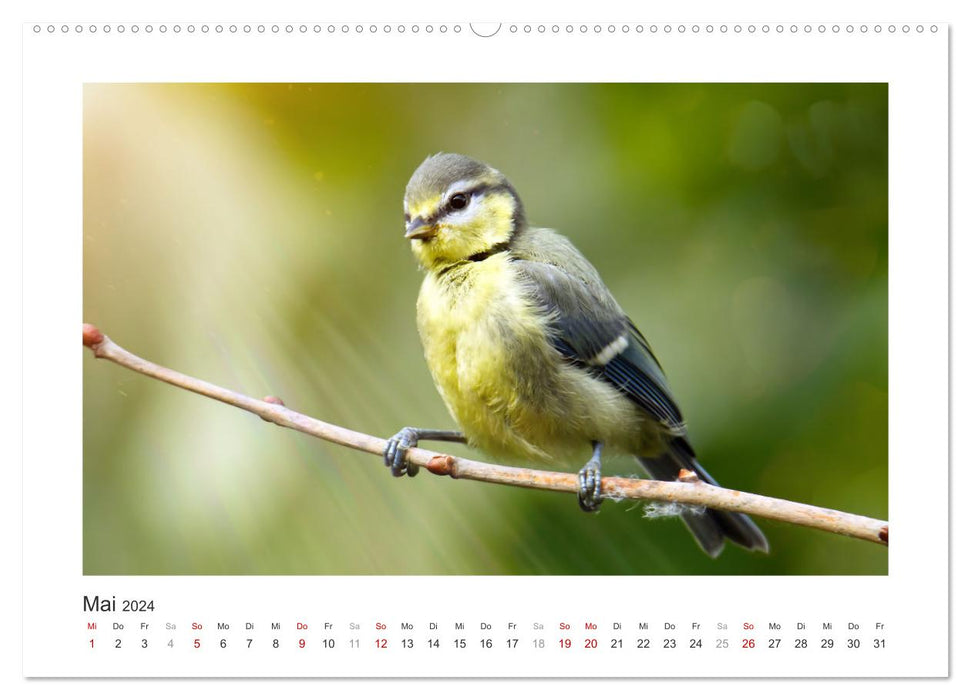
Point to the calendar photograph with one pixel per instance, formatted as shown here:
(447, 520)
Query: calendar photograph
(585, 302)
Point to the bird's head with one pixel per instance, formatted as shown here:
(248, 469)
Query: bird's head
(457, 208)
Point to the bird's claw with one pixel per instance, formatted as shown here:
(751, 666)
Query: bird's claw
(588, 491)
(398, 446)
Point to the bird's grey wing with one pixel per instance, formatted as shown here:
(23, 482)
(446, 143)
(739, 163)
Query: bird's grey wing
(589, 329)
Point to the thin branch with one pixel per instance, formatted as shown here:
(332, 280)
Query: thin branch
(687, 490)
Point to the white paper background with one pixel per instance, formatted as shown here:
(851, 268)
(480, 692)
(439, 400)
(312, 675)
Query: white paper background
(918, 316)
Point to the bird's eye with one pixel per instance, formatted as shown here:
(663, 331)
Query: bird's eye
(459, 200)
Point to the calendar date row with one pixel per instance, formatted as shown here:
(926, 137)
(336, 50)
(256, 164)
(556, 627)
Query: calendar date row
(459, 643)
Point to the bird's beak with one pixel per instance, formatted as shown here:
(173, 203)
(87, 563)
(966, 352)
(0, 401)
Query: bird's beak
(419, 229)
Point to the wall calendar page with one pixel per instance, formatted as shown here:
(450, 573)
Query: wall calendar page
(456, 349)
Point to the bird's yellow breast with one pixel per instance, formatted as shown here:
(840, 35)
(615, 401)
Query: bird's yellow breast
(486, 344)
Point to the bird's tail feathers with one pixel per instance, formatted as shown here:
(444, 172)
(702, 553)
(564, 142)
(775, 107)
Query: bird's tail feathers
(710, 527)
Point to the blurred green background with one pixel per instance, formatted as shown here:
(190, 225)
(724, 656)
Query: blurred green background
(251, 235)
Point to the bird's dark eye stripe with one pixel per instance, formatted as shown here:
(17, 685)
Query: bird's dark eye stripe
(445, 209)
(472, 193)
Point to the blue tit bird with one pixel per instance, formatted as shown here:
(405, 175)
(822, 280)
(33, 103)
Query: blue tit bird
(533, 356)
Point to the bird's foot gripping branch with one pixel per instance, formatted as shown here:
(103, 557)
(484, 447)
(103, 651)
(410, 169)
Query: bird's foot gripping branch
(687, 490)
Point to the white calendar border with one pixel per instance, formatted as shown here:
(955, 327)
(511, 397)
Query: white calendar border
(55, 67)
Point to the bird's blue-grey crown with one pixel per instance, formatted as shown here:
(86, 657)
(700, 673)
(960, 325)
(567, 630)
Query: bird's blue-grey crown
(439, 172)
